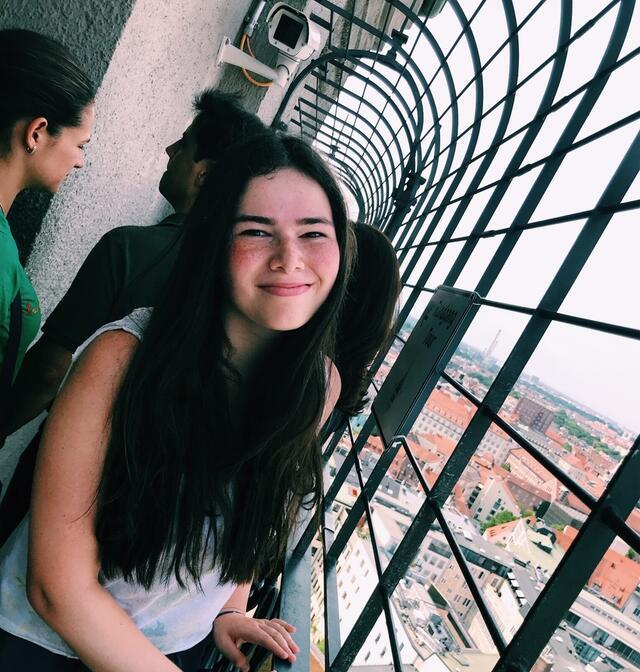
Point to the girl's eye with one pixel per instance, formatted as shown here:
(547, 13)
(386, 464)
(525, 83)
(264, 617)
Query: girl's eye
(254, 233)
(314, 234)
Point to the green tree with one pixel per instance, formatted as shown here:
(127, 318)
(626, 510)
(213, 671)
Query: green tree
(498, 519)
(484, 379)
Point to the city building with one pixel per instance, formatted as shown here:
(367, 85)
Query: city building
(491, 498)
(528, 469)
(601, 632)
(615, 579)
(534, 415)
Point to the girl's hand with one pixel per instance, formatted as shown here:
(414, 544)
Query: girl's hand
(230, 631)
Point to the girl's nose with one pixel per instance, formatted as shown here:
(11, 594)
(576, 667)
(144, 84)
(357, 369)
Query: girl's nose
(287, 256)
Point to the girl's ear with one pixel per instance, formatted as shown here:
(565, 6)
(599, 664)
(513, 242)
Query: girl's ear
(33, 134)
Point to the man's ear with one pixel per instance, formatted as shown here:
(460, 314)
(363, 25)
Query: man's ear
(200, 177)
(203, 170)
(34, 132)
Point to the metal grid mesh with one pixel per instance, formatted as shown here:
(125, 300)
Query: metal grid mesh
(429, 132)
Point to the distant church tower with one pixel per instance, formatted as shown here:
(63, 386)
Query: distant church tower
(489, 351)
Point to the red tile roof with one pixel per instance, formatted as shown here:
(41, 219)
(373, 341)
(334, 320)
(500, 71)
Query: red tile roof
(457, 410)
(442, 444)
(633, 521)
(615, 577)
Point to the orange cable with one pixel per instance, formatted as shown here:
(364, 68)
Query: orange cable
(245, 40)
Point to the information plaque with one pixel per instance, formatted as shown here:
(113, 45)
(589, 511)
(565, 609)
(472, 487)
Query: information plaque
(426, 352)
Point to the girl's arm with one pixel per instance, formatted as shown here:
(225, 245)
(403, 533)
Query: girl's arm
(63, 570)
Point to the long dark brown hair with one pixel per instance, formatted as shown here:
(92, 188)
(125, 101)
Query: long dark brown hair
(177, 462)
(367, 319)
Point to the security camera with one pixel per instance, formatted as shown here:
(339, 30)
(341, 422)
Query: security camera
(291, 32)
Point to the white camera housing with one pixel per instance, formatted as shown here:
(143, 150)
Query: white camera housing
(291, 32)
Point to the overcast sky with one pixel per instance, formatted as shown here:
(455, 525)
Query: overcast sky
(596, 369)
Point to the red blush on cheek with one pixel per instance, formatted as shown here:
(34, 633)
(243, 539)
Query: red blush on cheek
(245, 255)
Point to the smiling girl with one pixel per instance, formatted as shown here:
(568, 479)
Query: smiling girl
(181, 448)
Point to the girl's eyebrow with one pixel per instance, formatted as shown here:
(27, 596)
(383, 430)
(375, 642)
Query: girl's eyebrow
(315, 220)
(259, 219)
(253, 218)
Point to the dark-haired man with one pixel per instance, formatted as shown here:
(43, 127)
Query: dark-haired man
(127, 269)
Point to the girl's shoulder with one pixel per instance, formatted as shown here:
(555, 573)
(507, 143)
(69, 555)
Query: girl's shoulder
(334, 385)
(135, 324)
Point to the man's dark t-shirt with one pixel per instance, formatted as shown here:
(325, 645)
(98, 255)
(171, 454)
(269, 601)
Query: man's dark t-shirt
(127, 269)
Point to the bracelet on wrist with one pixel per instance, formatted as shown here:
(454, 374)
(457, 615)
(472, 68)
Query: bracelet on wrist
(224, 612)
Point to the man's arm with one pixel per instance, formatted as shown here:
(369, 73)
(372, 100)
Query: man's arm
(37, 383)
(84, 308)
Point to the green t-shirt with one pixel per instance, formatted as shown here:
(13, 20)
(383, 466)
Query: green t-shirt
(127, 269)
(13, 279)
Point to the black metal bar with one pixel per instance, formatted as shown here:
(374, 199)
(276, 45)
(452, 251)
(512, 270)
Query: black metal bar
(364, 185)
(479, 98)
(562, 48)
(487, 616)
(481, 171)
(332, 639)
(563, 145)
(395, 570)
(624, 206)
(385, 186)
(585, 497)
(376, 559)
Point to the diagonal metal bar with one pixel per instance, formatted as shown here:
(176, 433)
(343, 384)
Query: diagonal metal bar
(574, 569)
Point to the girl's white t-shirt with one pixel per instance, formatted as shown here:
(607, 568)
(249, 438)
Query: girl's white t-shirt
(172, 617)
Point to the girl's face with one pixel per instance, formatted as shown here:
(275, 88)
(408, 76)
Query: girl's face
(284, 254)
(55, 156)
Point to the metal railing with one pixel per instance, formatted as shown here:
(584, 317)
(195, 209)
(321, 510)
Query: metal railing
(417, 172)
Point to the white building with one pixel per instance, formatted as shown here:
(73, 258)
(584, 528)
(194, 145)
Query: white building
(494, 497)
(356, 579)
(600, 631)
